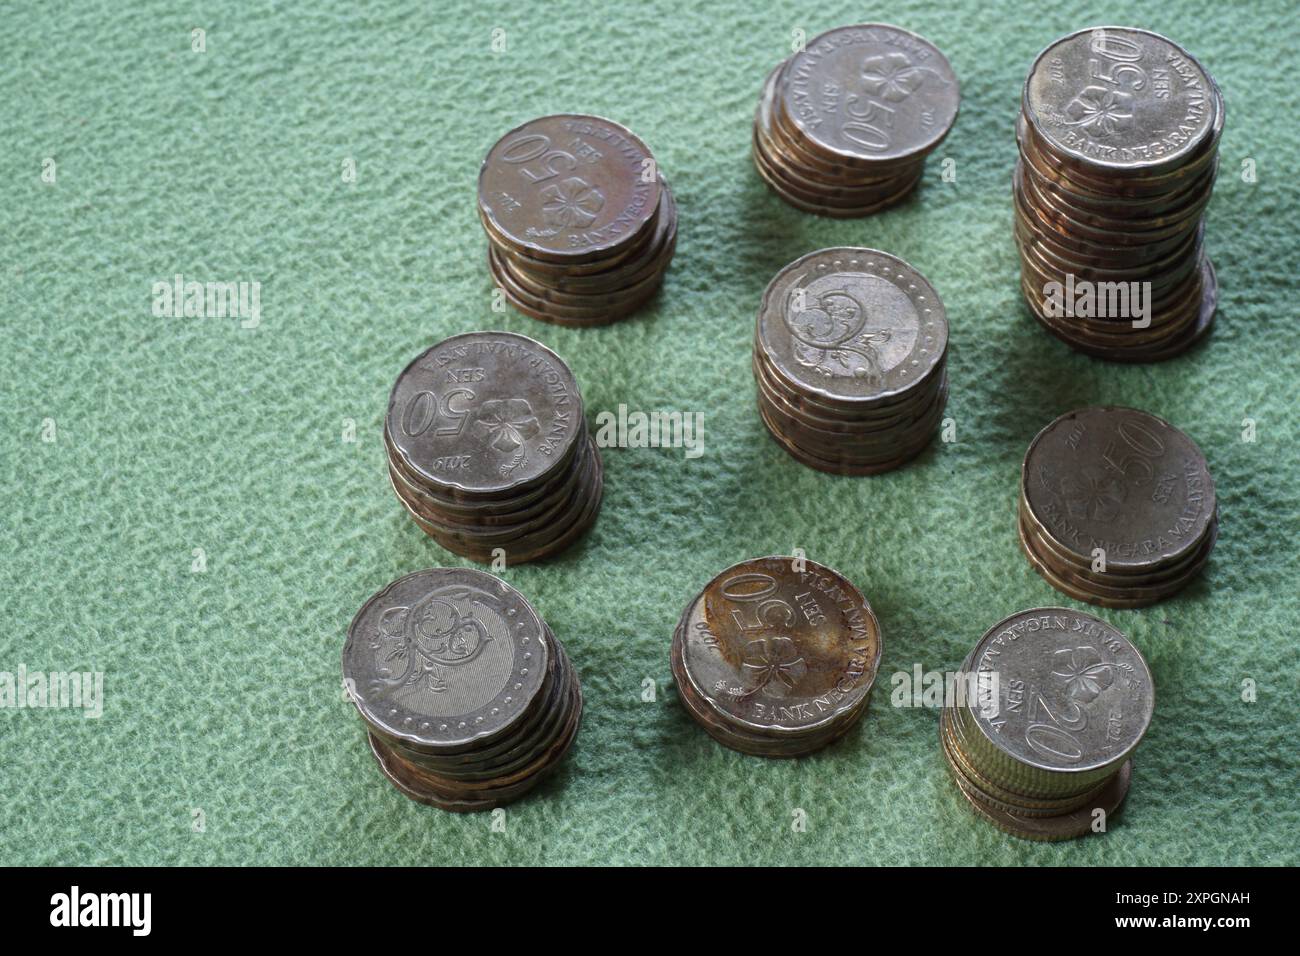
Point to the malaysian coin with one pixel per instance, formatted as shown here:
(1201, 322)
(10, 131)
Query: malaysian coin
(1054, 703)
(484, 413)
(844, 125)
(870, 93)
(1120, 100)
(445, 658)
(1118, 138)
(488, 448)
(850, 347)
(581, 225)
(781, 649)
(568, 187)
(468, 698)
(1119, 496)
(1071, 700)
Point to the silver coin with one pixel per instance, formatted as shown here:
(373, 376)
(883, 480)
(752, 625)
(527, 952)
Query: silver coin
(852, 325)
(445, 658)
(870, 92)
(1122, 481)
(1073, 695)
(484, 413)
(1120, 99)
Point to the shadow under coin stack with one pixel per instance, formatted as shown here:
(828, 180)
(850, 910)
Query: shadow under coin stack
(776, 657)
(468, 698)
(1117, 507)
(581, 225)
(1118, 135)
(843, 126)
(1054, 702)
(488, 448)
(850, 357)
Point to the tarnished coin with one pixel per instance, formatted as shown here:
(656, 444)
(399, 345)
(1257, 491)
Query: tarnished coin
(1120, 99)
(581, 225)
(779, 649)
(1116, 502)
(568, 186)
(468, 698)
(870, 92)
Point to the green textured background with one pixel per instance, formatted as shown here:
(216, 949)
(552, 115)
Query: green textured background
(175, 434)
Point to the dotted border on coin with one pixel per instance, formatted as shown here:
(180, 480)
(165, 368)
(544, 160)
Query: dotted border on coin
(912, 274)
(397, 723)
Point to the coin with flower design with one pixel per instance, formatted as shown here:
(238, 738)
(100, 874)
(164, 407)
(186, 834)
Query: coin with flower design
(843, 126)
(1120, 99)
(488, 448)
(568, 187)
(581, 224)
(780, 649)
(1117, 506)
(1042, 720)
(1073, 695)
(484, 412)
(870, 92)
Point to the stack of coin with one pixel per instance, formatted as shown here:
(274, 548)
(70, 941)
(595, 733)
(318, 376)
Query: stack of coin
(1117, 507)
(776, 656)
(1118, 134)
(1051, 704)
(488, 448)
(850, 357)
(468, 698)
(581, 225)
(844, 125)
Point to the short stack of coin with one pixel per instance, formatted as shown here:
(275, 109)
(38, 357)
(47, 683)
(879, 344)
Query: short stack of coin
(488, 448)
(581, 225)
(850, 360)
(1051, 704)
(1118, 135)
(1117, 507)
(843, 126)
(468, 698)
(776, 656)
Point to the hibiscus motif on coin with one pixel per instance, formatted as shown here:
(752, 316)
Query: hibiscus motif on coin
(573, 203)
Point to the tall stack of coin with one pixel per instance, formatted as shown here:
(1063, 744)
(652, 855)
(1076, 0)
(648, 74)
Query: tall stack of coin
(581, 225)
(488, 448)
(1052, 704)
(843, 126)
(776, 656)
(468, 698)
(1117, 507)
(1118, 134)
(850, 358)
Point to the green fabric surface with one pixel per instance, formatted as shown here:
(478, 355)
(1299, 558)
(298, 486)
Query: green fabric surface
(222, 688)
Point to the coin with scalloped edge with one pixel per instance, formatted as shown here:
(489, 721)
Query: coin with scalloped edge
(445, 657)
